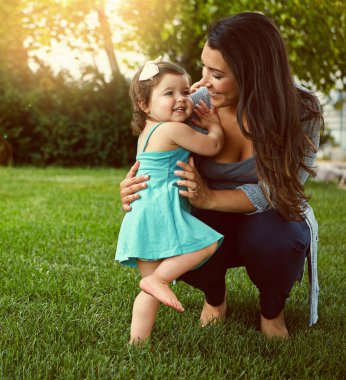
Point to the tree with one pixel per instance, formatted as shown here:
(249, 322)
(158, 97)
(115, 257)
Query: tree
(55, 119)
(314, 31)
(80, 24)
(14, 55)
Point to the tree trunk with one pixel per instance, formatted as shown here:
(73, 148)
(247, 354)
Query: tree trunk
(108, 43)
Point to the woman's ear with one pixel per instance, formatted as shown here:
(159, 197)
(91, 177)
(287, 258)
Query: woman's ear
(143, 106)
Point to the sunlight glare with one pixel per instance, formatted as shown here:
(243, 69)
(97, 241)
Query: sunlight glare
(61, 57)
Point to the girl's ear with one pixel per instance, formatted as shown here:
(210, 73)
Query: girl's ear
(143, 106)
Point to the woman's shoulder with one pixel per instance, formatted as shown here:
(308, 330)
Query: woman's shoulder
(201, 94)
(302, 88)
(311, 110)
(308, 97)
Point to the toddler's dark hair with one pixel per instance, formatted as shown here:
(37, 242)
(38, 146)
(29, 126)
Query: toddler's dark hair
(140, 92)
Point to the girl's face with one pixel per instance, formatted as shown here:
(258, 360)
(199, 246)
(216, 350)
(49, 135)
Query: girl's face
(170, 99)
(218, 78)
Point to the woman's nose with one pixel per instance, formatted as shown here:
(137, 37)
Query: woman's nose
(204, 81)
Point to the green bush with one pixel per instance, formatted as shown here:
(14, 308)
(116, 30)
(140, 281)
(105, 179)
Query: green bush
(51, 120)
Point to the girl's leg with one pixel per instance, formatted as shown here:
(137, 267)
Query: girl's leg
(144, 313)
(274, 252)
(144, 309)
(157, 283)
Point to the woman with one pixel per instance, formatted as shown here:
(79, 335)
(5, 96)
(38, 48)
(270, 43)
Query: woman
(252, 191)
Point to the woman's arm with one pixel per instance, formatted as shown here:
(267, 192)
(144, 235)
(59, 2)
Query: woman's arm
(254, 191)
(130, 185)
(248, 198)
(201, 196)
(235, 201)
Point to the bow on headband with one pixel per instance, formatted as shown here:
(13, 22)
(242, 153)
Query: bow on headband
(150, 69)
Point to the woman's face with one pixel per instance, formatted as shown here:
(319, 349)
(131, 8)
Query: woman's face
(218, 78)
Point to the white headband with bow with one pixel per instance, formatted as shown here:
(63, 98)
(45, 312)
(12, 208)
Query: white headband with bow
(150, 69)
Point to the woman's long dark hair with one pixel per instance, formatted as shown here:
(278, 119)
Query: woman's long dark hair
(278, 114)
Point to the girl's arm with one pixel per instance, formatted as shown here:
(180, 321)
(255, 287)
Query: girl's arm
(205, 144)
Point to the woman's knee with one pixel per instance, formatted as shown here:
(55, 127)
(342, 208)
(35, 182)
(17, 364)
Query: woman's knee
(273, 251)
(268, 235)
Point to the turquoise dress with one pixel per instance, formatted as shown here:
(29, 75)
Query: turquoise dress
(160, 224)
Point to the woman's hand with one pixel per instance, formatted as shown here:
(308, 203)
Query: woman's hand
(198, 193)
(130, 185)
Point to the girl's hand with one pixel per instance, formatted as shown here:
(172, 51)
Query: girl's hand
(198, 193)
(130, 185)
(205, 117)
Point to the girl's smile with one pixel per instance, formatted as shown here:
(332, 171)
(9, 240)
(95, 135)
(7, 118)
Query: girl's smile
(179, 109)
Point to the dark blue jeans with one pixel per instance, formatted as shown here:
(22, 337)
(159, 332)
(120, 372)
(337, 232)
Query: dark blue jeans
(272, 249)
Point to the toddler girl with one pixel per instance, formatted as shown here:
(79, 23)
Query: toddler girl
(159, 235)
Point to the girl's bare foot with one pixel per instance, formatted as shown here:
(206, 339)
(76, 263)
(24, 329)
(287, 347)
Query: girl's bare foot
(154, 286)
(213, 314)
(274, 328)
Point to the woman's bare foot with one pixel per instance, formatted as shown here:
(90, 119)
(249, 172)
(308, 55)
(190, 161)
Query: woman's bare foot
(213, 314)
(154, 286)
(274, 328)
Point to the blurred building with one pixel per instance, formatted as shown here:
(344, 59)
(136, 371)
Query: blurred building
(334, 112)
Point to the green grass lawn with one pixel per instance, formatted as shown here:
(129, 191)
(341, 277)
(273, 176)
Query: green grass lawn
(65, 305)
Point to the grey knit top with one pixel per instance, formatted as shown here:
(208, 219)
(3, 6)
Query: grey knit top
(242, 175)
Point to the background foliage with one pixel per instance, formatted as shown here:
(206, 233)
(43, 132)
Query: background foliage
(314, 32)
(54, 121)
(58, 119)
